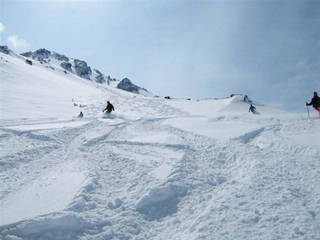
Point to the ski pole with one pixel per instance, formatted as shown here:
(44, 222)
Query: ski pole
(308, 111)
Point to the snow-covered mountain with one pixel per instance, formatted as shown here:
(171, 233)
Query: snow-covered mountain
(56, 61)
(154, 169)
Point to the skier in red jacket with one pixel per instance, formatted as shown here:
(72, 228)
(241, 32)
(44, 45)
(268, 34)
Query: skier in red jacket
(109, 108)
(315, 102)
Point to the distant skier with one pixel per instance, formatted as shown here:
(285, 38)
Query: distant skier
(315, 102)
(252, 109)
(109, 108)
(80, 115)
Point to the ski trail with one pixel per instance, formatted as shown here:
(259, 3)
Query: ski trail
(140, 178)
(50, 192)
(238, 187)
(46, 189)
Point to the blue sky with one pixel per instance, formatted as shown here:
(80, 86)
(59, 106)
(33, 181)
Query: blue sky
(268, 49)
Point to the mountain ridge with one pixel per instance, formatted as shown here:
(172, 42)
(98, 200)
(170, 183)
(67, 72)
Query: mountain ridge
(82, 69)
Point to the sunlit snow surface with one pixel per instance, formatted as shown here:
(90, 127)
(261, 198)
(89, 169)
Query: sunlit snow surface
(154, 168)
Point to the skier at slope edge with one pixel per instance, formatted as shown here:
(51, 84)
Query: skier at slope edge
(252, 109)
(315, 102)
(109, 108)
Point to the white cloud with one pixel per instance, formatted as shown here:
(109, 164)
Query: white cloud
(17, 43)
(2, 27)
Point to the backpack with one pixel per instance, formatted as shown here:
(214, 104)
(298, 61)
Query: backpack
(316, 101)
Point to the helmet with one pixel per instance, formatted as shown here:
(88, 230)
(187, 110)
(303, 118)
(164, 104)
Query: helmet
(315, 93)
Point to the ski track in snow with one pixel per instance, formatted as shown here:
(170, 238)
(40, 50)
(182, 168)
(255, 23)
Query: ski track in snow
(117, 182)
(156, 170)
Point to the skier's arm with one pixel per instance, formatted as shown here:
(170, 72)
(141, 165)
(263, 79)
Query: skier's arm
(309, 104)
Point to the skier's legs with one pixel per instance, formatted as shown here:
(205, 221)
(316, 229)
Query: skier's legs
(318, 109)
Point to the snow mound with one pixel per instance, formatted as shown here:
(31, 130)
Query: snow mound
(35, 198)
(161, 201)
(60, 226)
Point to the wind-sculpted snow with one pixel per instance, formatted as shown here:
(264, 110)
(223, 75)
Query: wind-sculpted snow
(24, 156)
(154, 168)
(58, 226)
(249, 136)
(161, 201)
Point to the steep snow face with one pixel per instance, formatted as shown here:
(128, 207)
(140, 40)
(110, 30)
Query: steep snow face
(154, 168)
(30, 91)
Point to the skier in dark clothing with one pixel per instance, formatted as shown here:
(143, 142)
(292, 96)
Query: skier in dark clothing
(252, 108)
(109, 108)
(315, 102)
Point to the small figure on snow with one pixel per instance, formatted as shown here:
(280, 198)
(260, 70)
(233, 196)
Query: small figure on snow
(252, 109)
(80, 115)
(315, 102)
(109, 108)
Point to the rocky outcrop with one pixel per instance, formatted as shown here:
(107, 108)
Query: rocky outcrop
(4, 49)
(27, 54)
(40, 54)
(60, 57)
(127, 85)
(79, 67)
(66, 66)
(28, 61)
(82, 69)
(99, 77)
(43, 53)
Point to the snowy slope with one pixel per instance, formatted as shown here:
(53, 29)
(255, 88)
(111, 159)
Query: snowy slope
(154, 168)
(30, 92)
